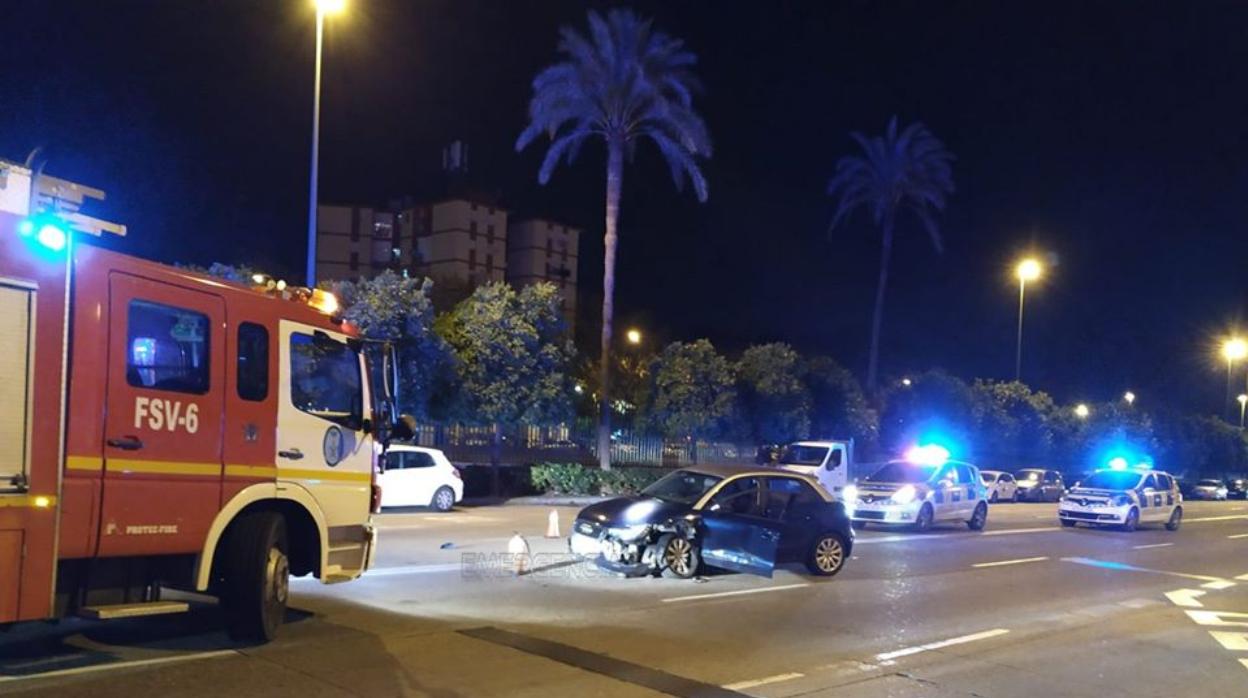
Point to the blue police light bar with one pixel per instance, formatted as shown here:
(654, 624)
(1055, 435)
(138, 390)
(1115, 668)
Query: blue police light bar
(49, 231)
(928, 455)
(1118, 463)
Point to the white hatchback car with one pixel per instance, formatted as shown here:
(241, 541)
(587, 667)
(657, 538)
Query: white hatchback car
(415, 476)
(1001, 486)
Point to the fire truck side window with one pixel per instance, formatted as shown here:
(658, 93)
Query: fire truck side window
(325, 379)
(168, 348)
(253, 362)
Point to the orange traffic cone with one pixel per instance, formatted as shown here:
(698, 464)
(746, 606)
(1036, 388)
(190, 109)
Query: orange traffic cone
(552, 524)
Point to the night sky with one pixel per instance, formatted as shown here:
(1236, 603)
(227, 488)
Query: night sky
(1106, 136)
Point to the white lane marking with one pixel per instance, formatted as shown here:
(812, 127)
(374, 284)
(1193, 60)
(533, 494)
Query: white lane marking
(1151, 545)
(122, 665)
(1013, 531)
(738, 592)
(1238, 535)
(742, 685)
(1186, 597)
(1235, 642)
(414, 569)
(1244, 662)
(1002, 563)
(1234, 517)
(887, 539)
(1219, 585)
(1219, 618)
(907, 651)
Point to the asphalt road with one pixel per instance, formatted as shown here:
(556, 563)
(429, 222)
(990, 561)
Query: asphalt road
(1023, 609)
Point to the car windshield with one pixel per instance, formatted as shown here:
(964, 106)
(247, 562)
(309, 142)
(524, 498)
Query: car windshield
(1028, 474)
(902, 472)
(988, 477)
(682, 486)
(797, 454)
(1113, 480)
(1210, 483)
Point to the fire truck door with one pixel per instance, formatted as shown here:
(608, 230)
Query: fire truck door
(162, 440)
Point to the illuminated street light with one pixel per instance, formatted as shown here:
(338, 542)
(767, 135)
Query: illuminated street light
(1027, 270)
(1082, 411)
(324, 8)
(1233, 349)
(907, 382)
(633, 336)
(1129, 397)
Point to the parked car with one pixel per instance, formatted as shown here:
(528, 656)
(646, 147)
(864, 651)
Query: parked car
(735, 518)
(1237, 489)
(415, 476)
(1209, 489)
(1039, 485)
(921, 495)
(1001, 486)
(1125, 498)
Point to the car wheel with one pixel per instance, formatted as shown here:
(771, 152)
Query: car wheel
(924, 520)
(979, 518)
(257, 577)
(1133, 520)
(443, 499)
(827, 555)
(1068, 523)
(1017, 497)
(994, 497)
(1176, 519)
(679, 557)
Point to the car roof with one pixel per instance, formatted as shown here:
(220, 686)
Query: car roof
(412, 447)
(731, 470)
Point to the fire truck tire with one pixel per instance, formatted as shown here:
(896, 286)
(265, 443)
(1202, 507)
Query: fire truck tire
(257, 577)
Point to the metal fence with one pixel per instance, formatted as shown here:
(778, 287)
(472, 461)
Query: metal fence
(563, 443)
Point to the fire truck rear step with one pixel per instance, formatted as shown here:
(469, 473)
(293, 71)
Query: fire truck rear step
(134, 610)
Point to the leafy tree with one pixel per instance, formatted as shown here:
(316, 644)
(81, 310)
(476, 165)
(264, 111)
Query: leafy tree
(693, 392)
(239, 274)
(398, 309)
(514, 360)
(906, 171)
(1013, 427)
(622, 83)
(838, 407)
(775, 401)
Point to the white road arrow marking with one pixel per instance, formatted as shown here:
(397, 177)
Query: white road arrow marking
(1219, 618)
(1186, 597)
(1235, 642)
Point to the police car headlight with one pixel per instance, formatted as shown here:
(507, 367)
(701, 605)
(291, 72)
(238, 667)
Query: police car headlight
(628, 534)
(849, 497)
(905, 495)
(1121, 500)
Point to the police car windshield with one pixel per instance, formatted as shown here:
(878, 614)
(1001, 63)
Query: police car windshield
(682, 486)
(796, 454)
(1113, 480)
(902, 472)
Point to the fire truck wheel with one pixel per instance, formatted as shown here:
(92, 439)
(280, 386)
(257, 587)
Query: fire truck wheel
(257, 577)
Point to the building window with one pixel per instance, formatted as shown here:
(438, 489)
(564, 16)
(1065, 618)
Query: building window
(168, 348)
(355, 261)
(489, 233)
(253, 362)
(472, 230)
(355, 225)
(489, 263)
(472, 260)
(474, 205)
(550, 247)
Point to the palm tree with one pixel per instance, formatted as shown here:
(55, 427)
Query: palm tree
(908, 171)
(622, 83)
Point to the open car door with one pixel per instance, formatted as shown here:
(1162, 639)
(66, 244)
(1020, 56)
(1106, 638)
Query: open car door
(740, 542)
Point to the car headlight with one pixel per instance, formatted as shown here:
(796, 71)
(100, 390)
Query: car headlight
(629, 534)
(905, 495)
(1121, 500)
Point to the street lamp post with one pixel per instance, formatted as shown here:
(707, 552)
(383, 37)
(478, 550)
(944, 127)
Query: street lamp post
(323, 8)
(1027, 270)
(1233, 349)
(1243, 401)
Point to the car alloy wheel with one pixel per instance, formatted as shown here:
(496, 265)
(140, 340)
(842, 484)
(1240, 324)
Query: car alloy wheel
(679, 558)
(444, 499)
(828, 555)
(924, 519)
(978, 519)
(1133, 520)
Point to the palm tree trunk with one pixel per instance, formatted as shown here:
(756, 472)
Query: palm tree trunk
(877, 317)
(615, 183)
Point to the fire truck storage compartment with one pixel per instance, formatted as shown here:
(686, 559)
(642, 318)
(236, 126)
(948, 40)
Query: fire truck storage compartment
(10, 559)
(16, 307)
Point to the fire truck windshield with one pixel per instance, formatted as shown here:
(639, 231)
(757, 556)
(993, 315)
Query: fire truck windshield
(325, 379)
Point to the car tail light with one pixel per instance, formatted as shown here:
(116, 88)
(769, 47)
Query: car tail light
(456, 473)
(374, 504)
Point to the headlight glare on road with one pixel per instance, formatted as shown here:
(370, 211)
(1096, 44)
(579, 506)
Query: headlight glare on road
(628, 534)
(905, 495)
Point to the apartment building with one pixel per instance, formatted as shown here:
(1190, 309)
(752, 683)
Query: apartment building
(545, 250)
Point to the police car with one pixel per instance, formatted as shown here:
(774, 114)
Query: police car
(923, 489)
(1124, 497)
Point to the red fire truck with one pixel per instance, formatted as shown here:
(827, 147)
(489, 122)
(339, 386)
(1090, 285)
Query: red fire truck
(161, 429)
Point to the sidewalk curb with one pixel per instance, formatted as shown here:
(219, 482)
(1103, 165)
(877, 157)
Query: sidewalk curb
(556, 500)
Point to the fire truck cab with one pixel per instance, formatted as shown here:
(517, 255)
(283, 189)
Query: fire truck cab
(162, 429)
